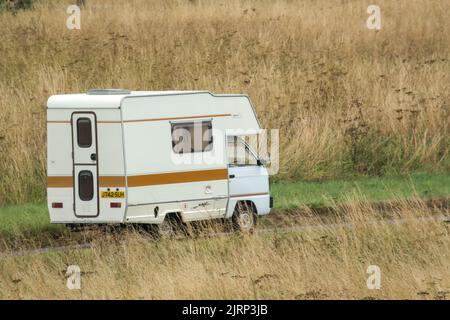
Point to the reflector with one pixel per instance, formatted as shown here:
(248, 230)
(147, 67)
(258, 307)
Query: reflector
(116, 204)
(57, 205)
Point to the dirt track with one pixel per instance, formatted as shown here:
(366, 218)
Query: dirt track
(287, 220)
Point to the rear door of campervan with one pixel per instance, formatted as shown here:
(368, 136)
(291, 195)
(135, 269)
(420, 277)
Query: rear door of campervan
(85, 164)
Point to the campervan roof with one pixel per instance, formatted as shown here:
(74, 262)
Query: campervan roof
(107, 98)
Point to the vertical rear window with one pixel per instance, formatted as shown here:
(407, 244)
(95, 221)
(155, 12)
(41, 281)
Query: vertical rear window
(85, 185)
(84, 132)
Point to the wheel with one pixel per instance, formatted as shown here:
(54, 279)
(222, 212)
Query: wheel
(72, 227)
(244, 217)
(169, 228)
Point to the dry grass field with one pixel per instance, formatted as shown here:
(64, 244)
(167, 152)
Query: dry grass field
(315, 263)
(347, 100)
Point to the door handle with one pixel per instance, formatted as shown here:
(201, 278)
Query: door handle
(93, 157)
(231, 176)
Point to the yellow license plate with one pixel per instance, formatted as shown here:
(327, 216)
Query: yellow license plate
(113, 194)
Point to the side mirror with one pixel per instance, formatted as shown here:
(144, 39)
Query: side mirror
(263, 162)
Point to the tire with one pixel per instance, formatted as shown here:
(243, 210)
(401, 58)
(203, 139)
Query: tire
(72, 227)
(169, 228)
(244, 217)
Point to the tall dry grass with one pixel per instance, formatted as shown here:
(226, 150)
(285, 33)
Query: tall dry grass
(315, 263)
(347, 100)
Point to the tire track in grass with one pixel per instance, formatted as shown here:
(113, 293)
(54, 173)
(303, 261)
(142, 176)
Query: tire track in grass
(314, 227)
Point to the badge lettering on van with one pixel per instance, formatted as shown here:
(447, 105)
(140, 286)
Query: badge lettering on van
(113, 194)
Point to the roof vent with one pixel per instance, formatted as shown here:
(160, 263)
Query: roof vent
(108, 91)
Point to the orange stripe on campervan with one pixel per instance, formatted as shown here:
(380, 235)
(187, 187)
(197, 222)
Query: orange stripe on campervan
(249, 195)
(154, 119)
(111, 181)
(60, 182)
(147, 179)
(181, 118)
(177, 177)
(67, 181)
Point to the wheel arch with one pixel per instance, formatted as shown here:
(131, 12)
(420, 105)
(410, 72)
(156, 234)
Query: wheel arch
(171, 214)
(234, 203)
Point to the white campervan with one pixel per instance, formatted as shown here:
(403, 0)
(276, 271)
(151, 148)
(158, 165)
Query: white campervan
(148, 157)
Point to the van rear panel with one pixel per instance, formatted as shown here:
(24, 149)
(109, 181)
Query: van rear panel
(85, 166)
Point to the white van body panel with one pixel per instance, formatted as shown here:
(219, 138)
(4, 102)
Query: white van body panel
(139, 177)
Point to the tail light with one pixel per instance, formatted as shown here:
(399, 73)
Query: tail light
(57, 205)
(115, 204)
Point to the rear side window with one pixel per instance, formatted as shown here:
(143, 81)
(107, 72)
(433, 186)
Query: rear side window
(193, 136)
(84, 132)
(85, 185)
